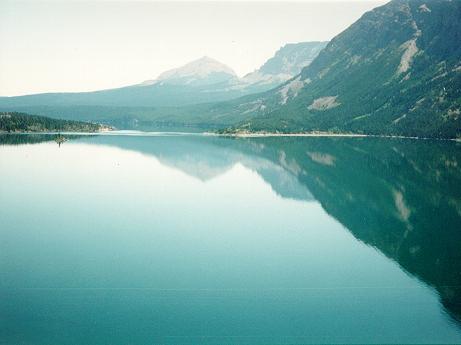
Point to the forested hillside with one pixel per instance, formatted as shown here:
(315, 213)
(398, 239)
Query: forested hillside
(21, 122)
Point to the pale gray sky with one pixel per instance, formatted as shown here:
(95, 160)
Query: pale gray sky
(91, 45)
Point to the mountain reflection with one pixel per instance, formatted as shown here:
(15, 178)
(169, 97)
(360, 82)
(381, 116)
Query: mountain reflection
(20, 139)
(403, 197)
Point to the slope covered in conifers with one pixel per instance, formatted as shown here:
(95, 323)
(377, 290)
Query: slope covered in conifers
(21, 122)
(396, 71)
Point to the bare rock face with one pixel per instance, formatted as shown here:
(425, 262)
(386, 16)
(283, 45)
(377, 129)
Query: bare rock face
(324, 103)
(287, 63)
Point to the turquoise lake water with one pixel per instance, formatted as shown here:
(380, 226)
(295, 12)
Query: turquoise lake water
(189, 239)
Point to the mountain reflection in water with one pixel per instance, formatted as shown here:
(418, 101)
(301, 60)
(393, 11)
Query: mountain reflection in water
(400, 196)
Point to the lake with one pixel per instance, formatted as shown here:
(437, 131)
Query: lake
(191, 239)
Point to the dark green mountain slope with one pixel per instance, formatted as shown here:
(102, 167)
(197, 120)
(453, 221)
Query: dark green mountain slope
(397, 70)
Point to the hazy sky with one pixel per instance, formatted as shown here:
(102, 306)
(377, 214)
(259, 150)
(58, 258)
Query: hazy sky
(90, 45)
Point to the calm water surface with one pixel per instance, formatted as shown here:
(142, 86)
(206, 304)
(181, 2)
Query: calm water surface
(205, 240)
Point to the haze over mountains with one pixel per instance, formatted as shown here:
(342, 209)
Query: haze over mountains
(396, 71)
(202, 80)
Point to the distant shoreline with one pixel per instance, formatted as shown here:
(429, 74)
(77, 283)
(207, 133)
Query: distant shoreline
(116, 132)
(340, 135)
(256, 135)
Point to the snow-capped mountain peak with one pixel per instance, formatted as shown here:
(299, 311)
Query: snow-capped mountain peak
(203, 71)
(202, 67)
(288, 61)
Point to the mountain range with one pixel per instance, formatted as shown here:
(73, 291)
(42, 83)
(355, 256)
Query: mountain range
(202, 80)
(395, 71)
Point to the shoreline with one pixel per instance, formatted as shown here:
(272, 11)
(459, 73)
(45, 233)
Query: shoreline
(319, 135)
(59, 132)
(230, 135)
(264, 135)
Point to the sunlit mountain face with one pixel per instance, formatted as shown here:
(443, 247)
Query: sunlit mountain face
(281, 238)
